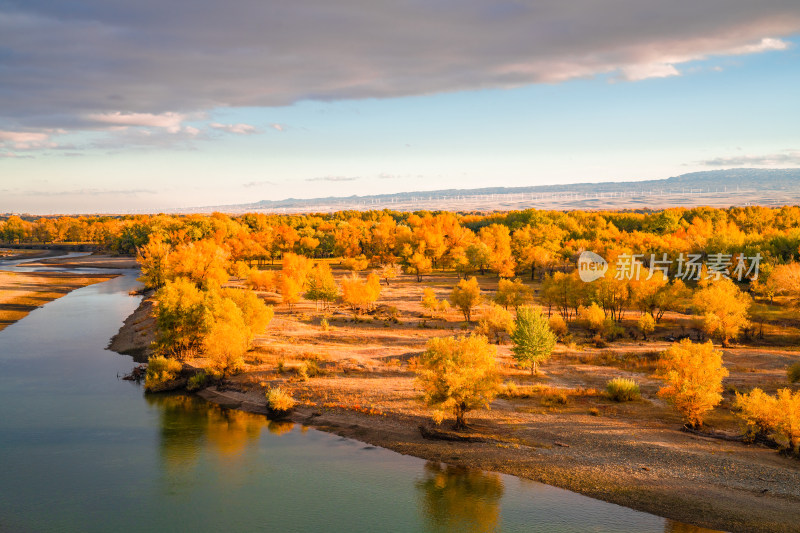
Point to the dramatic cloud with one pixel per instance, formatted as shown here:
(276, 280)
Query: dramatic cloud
(787, 158)
(333, 178)
(147, 63)
(239, 129)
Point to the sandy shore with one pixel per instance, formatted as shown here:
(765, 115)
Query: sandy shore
(21, 293)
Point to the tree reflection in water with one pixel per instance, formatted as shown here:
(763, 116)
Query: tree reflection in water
(459, 499)
(190, 426)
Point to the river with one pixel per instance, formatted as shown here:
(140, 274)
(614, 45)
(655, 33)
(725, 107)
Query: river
(82, 450)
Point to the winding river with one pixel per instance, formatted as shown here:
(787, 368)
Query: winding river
(82, 450)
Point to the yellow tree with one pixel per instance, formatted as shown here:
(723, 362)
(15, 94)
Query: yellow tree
(693, 375)
(153, 260)
(466, 296)
(228, 338)
(290, 291)
(495, 322)
(512, 293)
(321, 285)
(183, 318)
(458, 374)
(419, 264)
(723, 308)
(786, 280)
(360, 295)
(498, 239)
(204, 262)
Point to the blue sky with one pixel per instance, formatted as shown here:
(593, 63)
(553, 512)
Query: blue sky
(142, 109)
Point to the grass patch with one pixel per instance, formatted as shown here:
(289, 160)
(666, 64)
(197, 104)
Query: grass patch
(623, 390)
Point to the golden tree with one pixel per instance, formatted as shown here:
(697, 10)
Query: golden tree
(228, 338)
(291, 289)
(434, 306)
(646, 324)
(458, 374)
(466, 296)
(694, 374)
(321, 285)
(786, 280)
(494, 322)
(512, 293)
(723, 308)
(183, 317)
(153, 260)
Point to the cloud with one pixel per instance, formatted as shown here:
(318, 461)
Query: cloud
(170, 122)
(239, 129)
(333, 178)
(252, 184)
(278, 127)
(788, 157)
(143, 64)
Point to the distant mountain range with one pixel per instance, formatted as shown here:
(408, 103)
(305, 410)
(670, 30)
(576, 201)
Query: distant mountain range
(716, 188)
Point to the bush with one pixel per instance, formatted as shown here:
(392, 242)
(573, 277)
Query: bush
(764, 413)
(557, 325)
(279, 401)
(758, 410)
(646, 324)
(198, 381)
(794, 373)
(623, 389)
(160, 372)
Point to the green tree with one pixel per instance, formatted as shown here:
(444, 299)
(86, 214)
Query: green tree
(533, 340)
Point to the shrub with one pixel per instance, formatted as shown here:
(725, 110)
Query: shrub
(280, 401)
(495, 322)
(646, 324)
(758, 410)
(160, 371)
(557, 325)
(198, 381)
(323, 324)
(764, 413)
(794, 373)
(594, 316)
(466, 296)
(623, 389)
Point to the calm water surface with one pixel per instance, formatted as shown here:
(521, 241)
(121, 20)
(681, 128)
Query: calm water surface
(81, 450)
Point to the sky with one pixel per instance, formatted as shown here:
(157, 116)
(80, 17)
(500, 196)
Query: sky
(113, 107)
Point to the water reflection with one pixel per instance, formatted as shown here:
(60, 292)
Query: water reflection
(190, 426)
(670, 526)
(458, 499)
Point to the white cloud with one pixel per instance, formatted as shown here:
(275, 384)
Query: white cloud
(278, 127)
(784, 158)
(239, 129)
(171, 122)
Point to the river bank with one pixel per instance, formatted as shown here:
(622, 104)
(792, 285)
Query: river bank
(632, 454)
(22, 292)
